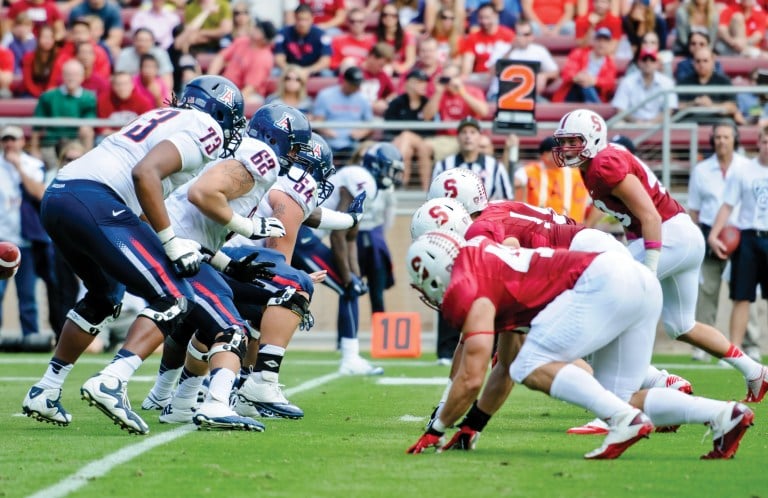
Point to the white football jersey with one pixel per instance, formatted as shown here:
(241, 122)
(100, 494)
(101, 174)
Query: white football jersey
(355, 179)
(188, 222)
(196, 135)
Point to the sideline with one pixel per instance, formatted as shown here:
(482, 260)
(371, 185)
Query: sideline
(104, 465)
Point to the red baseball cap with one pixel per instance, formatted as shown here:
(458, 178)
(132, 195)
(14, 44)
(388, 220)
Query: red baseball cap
(648, 52)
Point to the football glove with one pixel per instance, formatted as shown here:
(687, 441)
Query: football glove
(249, 271)
(267, 227)
(464, 439)
(307, 321)
(356, 287)
(185, 256)
(355, 209)
(430, 439)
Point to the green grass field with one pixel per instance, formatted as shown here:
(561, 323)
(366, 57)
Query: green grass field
(352, 443)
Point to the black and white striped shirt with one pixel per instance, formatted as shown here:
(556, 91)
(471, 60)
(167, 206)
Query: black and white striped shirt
(493, 173)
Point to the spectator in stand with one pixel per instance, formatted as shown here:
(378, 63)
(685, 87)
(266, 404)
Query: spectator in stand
(478, 46)
(640, 20)
(452, 101)
(344, 102)
(241, 23)
(600, 17)
(109, 13)
(37, 66)
(97, 34)
(377, 85)
(416, 16)
(21, 180)
(70, 100)
(524, 48)
(41, 12)
(303, 44)
(550, 17)
(158, 20)
(328, 15)
(149, 82)
(188, 68)
(389, 30)
(584, 7)
(507, 17)
(279, 12)
(449, 33)
(143, 42)
(694, 15)
(741, 29)
(428, 61)
(543, 184)
(122, 102)
(292, 90)
(20, 41)
(248, 62)
(754, 106)
(354, 44)
(649, 41)
(722, 106)
(92, 81)
(409, 106)
(635, 88)
(206, 22)
(6, 72)
(80, 32)
(589, 74)
(697, 40)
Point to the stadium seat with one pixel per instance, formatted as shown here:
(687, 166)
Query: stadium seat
(17, 108)
(127, 14)
(317, 83)
(558, 45)
(204, 59)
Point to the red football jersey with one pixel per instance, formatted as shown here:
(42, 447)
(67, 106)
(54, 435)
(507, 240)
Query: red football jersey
(607, 169)
(519, 282)
(532, 226)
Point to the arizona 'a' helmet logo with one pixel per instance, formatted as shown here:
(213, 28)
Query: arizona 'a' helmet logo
(284, 122)
(227, 97)
(317, 151)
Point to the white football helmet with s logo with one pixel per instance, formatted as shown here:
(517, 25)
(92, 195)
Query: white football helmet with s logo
(430, 262)
(441, 212)
(586, 125)
(463, 185)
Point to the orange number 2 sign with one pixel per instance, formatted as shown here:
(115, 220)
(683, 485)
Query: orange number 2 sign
(519, 97)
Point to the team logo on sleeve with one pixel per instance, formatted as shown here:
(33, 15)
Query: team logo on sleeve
(227, 97)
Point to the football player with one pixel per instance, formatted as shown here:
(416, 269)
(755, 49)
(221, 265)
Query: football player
(91, 211)
(577, 304)
(661, 234)
(382, 168)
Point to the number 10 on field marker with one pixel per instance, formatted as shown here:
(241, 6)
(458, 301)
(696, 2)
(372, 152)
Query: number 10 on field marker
(395, 335)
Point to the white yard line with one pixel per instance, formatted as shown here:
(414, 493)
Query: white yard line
(104, 465)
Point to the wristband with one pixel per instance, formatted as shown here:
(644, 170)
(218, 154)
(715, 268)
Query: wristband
(166, 234)
(334, 220)
(240, 224)
(220, 260)
(653, 244)
(651, 260)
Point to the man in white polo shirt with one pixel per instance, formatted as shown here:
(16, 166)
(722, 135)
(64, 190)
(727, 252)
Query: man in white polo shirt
(636, 87)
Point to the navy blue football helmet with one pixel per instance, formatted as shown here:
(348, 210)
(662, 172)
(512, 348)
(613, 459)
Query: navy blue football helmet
(222, 100)
(285, 129)
(317, 160)
(385, 163)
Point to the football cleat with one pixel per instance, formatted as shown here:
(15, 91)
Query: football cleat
(151, 402)
(671, 381)
(728, 428)
(266, 397)
(359, 366)
(45, 405)
(595, 427)
(625, 429)
(216, 415)
(756, 388)
(174, 414)
(108, 394)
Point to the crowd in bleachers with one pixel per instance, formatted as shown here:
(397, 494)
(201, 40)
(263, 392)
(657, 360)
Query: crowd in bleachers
(351, 59)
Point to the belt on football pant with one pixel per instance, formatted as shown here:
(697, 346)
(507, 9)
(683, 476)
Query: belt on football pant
(756, 233)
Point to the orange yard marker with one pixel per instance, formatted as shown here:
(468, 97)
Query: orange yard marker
(395, 335)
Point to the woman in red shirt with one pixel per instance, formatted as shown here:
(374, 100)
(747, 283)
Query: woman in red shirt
(37, 66)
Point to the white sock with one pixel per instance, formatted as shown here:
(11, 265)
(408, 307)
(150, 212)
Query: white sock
(652, 377)
(350, 348)
(272, 349)
(748, 367)
(55, 375)
(165, 382)
(123, 367)
(577, 387)
(671, 407)
(222, 381)
(187, 391)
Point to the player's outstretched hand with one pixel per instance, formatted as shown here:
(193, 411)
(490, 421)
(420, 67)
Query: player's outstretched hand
(248, 270)
(267, 227)
(430, 439)
(356, 287)
(355, 208)
(464, 439)
(185, 256)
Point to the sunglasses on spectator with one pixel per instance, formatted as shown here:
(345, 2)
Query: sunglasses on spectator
(389, 14)
(236, 12)
(646, 59)
(8, 139)
(356, 21)
(293, 78)
(444, 17)
(69, 159)
(526, 33)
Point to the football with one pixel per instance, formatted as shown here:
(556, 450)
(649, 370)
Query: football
(730, 236)
(10, 257)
